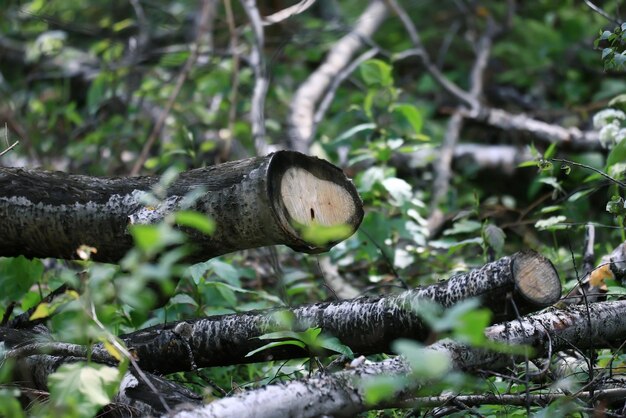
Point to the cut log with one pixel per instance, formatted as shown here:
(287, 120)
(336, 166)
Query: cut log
(254, 202)
(343, 393)
(367, 325)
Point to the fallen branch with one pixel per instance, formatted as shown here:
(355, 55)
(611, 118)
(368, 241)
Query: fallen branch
(288, 12)
(254, 202)
(301, 117)
(343, 393)
(367, 325)
(521, 399)
(503, 159)
(261, 82)
(550, 133)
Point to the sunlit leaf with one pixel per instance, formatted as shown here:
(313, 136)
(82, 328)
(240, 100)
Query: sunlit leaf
(412, 115)
(399, 190)
(86, 386)
(277, 344)
(196, 220)
(471, 326)
(41, 311)
(320, 235)
(380, 388)
(425, 362)
(551, 223)
(376, 73)
(494, 237)
(112, 350)
(17, 275)
(617, 154)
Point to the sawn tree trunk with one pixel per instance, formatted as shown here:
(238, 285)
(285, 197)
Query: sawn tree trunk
(254, 202)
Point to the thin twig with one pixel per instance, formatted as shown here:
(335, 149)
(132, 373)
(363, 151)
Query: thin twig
(6, 138)
(601, 12)
(261, 83)
(128, 355)
(232, 111)
(288, 12)
(588, 253)
(588, 167)
(182, 77)
(588, 313)
(341, 76)
(427, 63)
(9, 148)
(511, 399)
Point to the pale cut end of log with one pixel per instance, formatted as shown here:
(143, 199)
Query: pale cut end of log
(310, 193)
(536, 278)
(310, 200)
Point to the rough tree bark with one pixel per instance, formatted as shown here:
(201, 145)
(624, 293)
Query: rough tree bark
(367, 325)
(254, 202)
(343, 394)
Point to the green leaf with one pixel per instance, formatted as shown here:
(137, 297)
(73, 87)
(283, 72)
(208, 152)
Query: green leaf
(451, 318)
(147, 237)
(494, 237)
(196, 220)
(399, 190)
(463, 226)
(412, 115)
(376, 73)
(471, 326)
(551, 223)
(223, 270)
(606, 34)
(333, 344)
(182, 299)
(619, 102)
(277, 344)
(617, 155)
(321, 236)
(95, 93)
(425, 363)
(353, 131)
(87, 387)
(530, 163)
(309, 336)
(550, 151)
(9, 404)
(17, 275)
(226, 292)
(380, 388)
(279, 334)
(453, 245)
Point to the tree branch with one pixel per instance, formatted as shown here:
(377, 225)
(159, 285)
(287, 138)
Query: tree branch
(301, 117)
(343, 393)
(367, 325)
(261, 83)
